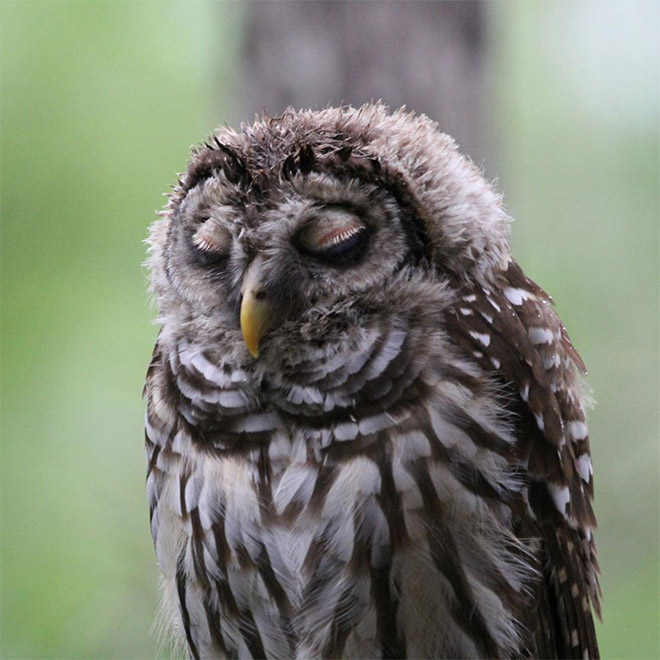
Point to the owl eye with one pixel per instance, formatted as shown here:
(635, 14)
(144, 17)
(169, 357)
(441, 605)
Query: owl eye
(212, 241)
(335, 236)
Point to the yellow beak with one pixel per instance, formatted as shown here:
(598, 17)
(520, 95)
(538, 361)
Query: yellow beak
(257, 310)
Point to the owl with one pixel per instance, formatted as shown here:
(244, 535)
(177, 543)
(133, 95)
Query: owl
(365, 425)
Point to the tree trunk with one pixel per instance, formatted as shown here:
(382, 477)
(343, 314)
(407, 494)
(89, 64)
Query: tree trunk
(426, 55)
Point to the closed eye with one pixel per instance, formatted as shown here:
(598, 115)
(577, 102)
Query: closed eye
(334, 235)
(211, 242)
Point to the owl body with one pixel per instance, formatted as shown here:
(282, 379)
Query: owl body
(364, 426)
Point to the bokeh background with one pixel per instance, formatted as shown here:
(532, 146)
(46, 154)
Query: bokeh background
(100, 103)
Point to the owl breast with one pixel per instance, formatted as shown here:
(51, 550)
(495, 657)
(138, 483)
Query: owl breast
(349, 500)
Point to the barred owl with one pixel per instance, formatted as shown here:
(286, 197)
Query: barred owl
(365, 427)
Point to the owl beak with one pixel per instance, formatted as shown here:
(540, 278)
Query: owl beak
(257, 311)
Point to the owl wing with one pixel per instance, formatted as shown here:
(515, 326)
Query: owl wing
(513, 332)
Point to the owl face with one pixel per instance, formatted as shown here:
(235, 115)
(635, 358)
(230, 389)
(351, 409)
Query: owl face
(299, 269)
(294, 238)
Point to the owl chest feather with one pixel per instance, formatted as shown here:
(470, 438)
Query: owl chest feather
(383, 532)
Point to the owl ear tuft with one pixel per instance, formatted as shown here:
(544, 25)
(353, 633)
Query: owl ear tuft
(306, 159)
(233, 166)
(345, 152)
(213, 158)
(303, 161)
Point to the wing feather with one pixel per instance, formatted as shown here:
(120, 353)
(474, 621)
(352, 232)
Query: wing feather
(513, 332)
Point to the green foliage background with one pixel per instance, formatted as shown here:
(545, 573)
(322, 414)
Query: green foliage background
(100, 102)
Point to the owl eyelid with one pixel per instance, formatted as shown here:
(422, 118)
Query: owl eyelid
(333, 236)
(205, 244)
(211, 243)
(213, 238)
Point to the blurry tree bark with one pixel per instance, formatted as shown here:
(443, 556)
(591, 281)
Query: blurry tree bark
(427, 55)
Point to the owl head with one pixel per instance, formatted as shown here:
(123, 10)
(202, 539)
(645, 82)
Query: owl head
(290, 239)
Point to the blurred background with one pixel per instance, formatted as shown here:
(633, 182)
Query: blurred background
(100, 104)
